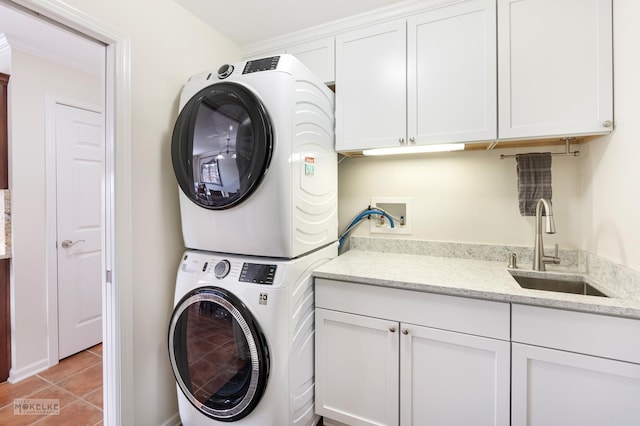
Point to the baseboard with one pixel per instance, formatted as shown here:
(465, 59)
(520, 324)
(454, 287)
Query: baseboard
(16, 376)
(173, 421)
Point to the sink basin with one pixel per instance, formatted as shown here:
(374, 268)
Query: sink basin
(569, 284)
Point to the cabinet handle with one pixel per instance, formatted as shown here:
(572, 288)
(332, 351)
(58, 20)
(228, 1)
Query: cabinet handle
(405, 331)
(412, 140)
(401, 140)
(392, 329)
(607, 124)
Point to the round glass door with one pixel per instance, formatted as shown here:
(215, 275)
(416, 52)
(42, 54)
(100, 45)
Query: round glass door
(218, 354)
(221, 146)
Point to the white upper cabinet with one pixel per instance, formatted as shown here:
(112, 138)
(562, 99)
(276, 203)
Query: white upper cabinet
(371, 87)
(452, 73)
(318, 56)
(427, 79)
(554, 68)
(445, 71)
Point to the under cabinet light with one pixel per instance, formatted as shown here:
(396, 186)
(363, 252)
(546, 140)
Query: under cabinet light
(414, 149)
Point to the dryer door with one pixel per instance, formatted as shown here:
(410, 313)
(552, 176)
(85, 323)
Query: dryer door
(218, 354)
(222, 145)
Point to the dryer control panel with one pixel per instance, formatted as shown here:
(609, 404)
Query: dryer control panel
(264, 64)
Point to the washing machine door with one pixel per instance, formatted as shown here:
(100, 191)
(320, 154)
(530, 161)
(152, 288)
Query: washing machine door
(219, 355)
(222, 145)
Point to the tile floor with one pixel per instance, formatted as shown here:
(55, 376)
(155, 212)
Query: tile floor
(76, 382)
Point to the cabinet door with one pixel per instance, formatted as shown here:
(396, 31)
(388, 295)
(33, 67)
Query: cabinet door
(551, 387)
(264, 54)
(555, 67)
(371, 87)
(318, 56)
(452, 378)
(356, 368)
(452, 74)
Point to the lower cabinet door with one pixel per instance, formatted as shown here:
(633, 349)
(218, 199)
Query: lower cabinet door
(356, 368)
(452, 379)
(551, 387)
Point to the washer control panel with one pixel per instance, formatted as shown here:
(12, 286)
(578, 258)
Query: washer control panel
(257, 273)
(231, 269)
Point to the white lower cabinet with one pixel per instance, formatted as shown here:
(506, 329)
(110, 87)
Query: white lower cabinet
(375, 371)
(449, 378)
(552, 387)
(574, 369)
(398, 357)
(356, 368)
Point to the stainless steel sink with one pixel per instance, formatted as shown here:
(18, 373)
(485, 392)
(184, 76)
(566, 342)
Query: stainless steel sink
(561, 284)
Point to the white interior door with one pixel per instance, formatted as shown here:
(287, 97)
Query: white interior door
(80, 170)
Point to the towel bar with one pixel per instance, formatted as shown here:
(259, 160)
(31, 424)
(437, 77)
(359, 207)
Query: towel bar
(566, 153)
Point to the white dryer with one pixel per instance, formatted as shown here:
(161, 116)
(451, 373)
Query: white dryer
(241, 339)
(253, 153)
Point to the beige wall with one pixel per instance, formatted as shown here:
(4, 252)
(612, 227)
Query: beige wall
(462, 197)
(168, 44)
(32, 78)
(611, 171)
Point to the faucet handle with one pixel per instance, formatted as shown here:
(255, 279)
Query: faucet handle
(555, 259)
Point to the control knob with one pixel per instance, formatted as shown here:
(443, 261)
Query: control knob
(221, 269)
(225, 71)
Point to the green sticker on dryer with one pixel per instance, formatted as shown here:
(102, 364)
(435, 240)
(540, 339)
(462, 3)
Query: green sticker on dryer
(309, 166)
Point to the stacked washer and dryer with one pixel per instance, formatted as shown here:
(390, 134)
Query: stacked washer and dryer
(253, 154)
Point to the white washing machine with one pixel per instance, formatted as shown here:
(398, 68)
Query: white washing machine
(253, 153)
(241, 339)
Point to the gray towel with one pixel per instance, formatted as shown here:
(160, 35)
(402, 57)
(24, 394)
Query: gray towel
(534, 180)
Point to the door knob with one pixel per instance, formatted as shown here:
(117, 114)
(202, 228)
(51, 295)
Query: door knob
(69, 243)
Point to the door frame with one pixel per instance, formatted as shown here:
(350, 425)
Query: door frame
(117, 299)
(51, 203)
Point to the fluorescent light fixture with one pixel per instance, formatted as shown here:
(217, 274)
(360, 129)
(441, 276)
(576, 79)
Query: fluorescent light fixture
(414, 149)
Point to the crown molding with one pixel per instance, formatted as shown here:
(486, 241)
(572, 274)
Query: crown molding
(4, 43)
(330, 29)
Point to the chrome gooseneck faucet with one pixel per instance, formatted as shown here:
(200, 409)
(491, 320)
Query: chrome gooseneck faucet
(539, 258)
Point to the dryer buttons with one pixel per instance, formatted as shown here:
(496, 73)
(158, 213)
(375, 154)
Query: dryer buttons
(225, 71)
(221, 269)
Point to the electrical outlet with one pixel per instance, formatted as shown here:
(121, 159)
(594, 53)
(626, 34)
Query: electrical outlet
(399, 208)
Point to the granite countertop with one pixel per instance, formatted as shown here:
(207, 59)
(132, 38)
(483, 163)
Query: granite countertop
(480, 279)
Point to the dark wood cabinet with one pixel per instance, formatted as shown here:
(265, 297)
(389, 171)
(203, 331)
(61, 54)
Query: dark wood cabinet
(5, 316)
